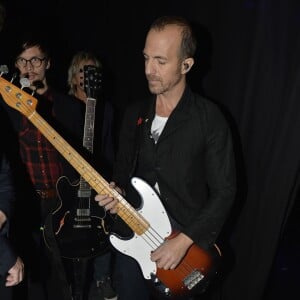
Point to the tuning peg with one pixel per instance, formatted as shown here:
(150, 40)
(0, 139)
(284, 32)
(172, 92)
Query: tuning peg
(37, 84)
(24, 83)
(14, 77)
(3, 69)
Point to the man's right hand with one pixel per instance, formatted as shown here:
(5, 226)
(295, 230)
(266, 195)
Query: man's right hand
(15, 273)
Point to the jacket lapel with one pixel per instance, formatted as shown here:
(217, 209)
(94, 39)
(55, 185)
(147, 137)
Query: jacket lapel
(179, 116)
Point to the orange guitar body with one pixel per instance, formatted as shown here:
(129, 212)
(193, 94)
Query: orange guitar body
(196, 266)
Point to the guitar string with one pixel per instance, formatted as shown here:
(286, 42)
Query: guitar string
(154, 239)
(150, 235)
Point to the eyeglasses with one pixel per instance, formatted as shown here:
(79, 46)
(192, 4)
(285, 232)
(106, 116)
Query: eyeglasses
(34, 61)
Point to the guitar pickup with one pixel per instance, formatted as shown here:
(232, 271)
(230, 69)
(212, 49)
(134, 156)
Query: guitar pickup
(84, 194)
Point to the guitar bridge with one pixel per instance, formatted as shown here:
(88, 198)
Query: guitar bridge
(82, 222)
(193, 279)
(83, 219)
(82, 226)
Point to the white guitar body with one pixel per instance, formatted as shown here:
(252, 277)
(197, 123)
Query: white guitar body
(138, 246)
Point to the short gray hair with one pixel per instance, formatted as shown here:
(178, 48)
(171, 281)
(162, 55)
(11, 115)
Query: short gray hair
(188, 42)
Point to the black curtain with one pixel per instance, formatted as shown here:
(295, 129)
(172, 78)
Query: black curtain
(256, 76)
(248, 62)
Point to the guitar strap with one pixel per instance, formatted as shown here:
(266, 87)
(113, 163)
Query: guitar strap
(56, 259)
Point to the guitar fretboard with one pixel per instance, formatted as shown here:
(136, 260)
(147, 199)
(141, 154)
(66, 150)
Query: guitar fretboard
(26, 104)
(88, 138)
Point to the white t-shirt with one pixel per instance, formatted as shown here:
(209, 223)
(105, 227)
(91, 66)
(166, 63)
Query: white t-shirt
(157, 126)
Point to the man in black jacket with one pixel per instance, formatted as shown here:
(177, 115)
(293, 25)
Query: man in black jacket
(11, 266)
(180, 145)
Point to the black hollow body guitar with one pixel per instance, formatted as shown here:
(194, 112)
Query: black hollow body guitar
(150, 224)
(81, 227)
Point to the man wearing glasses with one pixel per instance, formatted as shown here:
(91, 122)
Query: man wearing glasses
(42, 165)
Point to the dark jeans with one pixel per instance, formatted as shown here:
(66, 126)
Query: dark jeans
(43, 278)
(5, 292)
(102, 266)
(129, 281)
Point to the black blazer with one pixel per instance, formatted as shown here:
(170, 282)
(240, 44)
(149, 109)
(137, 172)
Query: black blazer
(7, 255)
(193, 163)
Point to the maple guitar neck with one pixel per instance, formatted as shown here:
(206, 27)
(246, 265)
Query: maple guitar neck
(133, 219)
(25, 103)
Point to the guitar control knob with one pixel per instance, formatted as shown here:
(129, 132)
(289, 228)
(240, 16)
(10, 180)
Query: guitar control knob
(167, 291)
(14, 77)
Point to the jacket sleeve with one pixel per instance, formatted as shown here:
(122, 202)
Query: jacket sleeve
(6, 188)
(220, 179)
(7, 255)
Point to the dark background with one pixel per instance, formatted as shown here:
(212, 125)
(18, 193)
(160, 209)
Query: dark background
(248, 62)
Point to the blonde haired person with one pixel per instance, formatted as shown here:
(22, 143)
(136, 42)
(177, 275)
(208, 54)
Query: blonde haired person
(103, 153)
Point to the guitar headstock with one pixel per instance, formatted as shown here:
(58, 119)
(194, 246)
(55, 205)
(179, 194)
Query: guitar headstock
(17, 98)
(92, 80)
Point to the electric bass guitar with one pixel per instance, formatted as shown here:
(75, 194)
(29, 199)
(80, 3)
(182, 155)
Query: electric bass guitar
(81, 226)
(150, 224)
